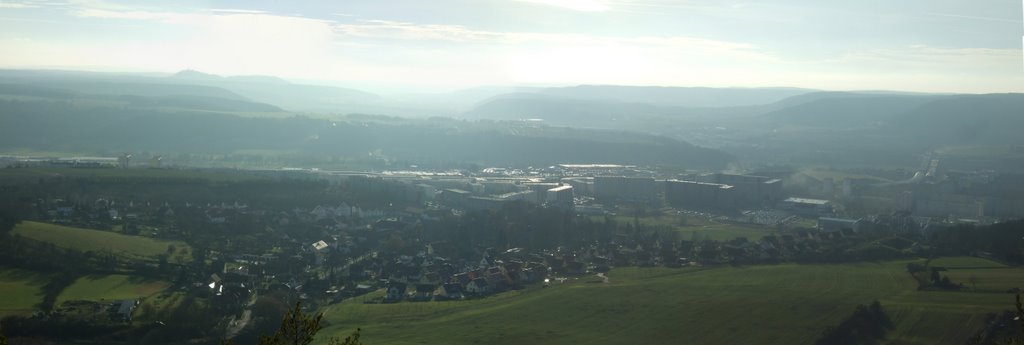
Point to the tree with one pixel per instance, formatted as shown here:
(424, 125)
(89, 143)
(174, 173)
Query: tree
(267, 315)
(1020, 313)
(298, 328)
(349, 340)
(973, 279)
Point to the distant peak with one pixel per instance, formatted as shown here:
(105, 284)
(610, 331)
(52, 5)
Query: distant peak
(194, 74)
(266, 79)
(197, 75)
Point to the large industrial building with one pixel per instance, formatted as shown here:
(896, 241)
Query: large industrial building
(723, 192)
(625, 189)
(749, 190)
(561, 196)
(805, 207)
(700, 195)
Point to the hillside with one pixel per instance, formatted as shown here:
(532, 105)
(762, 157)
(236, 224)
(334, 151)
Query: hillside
(844, 110)
(693, 97)
(776, 304)
(990, 119)
(185, 90)
(901, 122)
(110, 84)
(123, 91)
(280, 92)
(633, 106)
(63, 127)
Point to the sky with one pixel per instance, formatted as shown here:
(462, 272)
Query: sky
(971, 46)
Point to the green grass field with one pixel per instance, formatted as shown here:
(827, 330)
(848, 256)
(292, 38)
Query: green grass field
(159, 306)
(110, 287)
(132, 247)
(996, 280)
(703, 227)
(20, 291)
(992, 152)
(20, 175)
(965, 262)
(776, 304)
(981, 275)
(725, 232)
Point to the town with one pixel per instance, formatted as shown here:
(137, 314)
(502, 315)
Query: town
(240, 240)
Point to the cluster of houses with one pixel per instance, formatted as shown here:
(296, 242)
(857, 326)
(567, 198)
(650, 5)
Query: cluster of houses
(423, 278)
(429, 275)
(117, 311)
(332, 252)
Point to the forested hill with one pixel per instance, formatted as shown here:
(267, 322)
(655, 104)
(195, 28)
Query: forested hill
(68, 127)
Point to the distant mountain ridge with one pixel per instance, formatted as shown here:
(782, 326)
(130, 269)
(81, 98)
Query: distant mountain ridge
(674, 96)
(280, 92)
(99, 129)
(599, 106)
(191, 83)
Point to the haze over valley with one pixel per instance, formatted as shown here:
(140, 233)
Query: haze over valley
(511, 172)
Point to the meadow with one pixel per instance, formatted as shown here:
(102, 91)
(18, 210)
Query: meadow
(20, 291)
(110, 287)
(980, 275)
(129, 247)
(770, 304)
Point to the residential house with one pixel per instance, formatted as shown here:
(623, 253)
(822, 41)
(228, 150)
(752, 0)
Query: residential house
(124, 309)
(478, 286)
(451, 291)
(424, 292)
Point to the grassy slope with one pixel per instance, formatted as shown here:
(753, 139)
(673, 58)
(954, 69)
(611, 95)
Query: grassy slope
(95, 240)
(778, 304)
(20, 291)
(110, 287)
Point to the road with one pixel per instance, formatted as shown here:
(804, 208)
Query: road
(237, 325)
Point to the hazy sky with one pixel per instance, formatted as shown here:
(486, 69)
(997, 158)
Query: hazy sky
(924, 45)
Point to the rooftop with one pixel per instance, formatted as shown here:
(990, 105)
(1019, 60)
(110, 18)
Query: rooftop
(559, 189)
(807, 201)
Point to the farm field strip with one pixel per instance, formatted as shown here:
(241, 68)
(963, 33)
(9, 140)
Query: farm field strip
(133, 247)
(720, 305)
(110, 287)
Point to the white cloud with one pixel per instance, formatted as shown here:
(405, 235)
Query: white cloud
(410, 31)
(924, 57)
(164, 17)
(16, 5)
(992, 19)
(456, 33)
(232, 41)
(576, 5)
(235, 10)
(227, 41)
